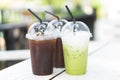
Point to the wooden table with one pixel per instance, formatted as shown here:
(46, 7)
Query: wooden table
(103, 64)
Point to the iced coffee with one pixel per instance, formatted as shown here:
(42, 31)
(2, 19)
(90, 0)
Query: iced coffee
(58, 58)
(41, 43)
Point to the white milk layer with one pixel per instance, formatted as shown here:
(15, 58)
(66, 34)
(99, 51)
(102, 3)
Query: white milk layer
(76, 39)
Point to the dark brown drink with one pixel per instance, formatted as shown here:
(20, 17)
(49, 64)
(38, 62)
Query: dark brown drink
(42, 56)
(58, 59)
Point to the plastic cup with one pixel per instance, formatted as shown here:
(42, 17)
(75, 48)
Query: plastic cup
(75, 46)
(41, 49)
(58, 58)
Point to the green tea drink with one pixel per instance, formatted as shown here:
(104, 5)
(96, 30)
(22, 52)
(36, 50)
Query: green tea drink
(75, 46)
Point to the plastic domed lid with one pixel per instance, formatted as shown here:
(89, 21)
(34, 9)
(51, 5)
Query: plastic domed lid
(58, 24)
(78, 26)
(39, 31)
(38, 27)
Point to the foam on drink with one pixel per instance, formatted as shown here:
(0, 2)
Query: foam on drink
(75, 38)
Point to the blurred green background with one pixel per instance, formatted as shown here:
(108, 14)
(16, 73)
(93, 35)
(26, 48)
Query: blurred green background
(15, 11)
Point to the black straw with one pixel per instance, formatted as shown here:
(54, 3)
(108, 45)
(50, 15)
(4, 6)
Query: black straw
(71, 17)
(53, 15)
(35, 15)
(70, 13)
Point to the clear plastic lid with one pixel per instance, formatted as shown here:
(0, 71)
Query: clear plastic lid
(57, 24)
(38, 27)
(76, 27)
(39, 31)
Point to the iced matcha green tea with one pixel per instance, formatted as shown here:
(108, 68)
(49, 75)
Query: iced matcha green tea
(75, 45)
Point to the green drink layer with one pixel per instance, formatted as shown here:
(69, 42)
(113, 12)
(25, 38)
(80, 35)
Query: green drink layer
(75, 46)
(75, 59)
